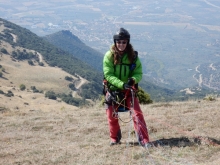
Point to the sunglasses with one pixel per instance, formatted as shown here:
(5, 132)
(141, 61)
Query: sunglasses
(121, 42)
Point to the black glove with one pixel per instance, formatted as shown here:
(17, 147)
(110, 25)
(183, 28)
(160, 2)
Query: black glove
(126, 86)
(131, 81)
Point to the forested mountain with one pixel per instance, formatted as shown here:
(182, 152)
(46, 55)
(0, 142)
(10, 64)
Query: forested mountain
(67, 41)
(54, 56)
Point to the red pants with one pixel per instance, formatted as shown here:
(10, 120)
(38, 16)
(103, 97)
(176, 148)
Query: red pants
(138, 119)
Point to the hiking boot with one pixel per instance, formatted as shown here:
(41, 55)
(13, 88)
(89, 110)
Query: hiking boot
(115, 143)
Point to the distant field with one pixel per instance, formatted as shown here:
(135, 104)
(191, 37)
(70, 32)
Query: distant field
(183, 25)
(179, 34)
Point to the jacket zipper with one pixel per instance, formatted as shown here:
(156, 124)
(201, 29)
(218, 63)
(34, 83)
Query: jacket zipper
(120, 69)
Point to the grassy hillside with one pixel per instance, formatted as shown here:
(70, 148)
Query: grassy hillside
(37, 130)
(23, 41)
(54, 133)
(43, 78)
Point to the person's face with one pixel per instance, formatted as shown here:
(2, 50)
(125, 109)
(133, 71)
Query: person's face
(121, 44)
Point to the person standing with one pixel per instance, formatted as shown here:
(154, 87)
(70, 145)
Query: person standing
(123, 70)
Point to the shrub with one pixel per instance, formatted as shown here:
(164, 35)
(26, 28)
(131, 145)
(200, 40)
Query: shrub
(9, 94)
(23, 55)
(3, 69)
(144, 98)
(68, 78)
(72, 86)
(41, 63)
(22, 87)
(72, 101)
(51, 95)
(1, 92)
(30, 62)
(3, 50)
(34, 89)
(210, 98)
(89, 91)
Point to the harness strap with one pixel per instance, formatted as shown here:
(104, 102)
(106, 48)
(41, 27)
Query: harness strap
(130, 109)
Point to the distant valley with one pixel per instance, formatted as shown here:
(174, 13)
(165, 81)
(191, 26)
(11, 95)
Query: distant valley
(173, 38)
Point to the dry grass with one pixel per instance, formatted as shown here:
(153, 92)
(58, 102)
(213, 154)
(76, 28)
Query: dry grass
(43, 78)
(188, 132)
(36, 130)
(22, 73)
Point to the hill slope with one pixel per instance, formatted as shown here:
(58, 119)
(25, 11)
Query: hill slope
(58, 134)
(27, 46)
(67, 41)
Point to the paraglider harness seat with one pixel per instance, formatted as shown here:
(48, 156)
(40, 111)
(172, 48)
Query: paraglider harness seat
(117, 99)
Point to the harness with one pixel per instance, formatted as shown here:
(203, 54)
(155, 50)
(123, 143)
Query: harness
(118, 102)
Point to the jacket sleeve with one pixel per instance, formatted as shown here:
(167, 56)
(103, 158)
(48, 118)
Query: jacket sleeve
(108, 69)
(137, 72)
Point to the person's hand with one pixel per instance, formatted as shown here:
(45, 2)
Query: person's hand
(131, 81)
(126, 86)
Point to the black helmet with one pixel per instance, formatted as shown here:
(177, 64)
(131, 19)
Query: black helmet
(123, 34)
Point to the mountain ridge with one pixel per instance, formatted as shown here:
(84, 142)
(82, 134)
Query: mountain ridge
(76, 47)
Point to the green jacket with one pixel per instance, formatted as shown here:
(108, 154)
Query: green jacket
(118, 74)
